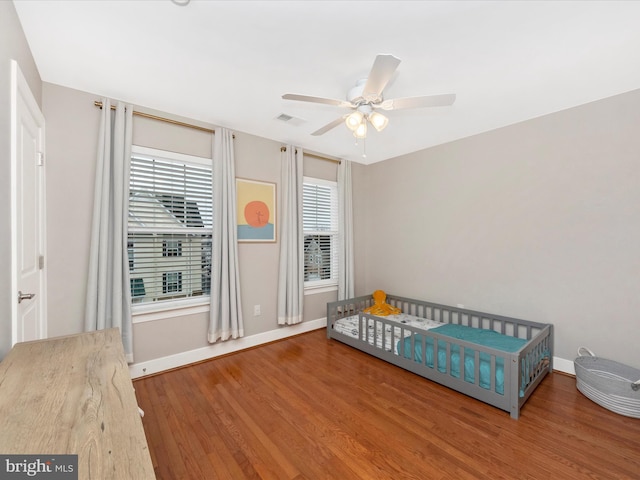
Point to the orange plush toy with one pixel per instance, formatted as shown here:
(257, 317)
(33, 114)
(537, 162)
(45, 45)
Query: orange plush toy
(380, 307)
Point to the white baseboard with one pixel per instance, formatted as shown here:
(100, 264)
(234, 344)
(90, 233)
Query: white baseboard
(217, 349)
(161, 364)
(563, 365)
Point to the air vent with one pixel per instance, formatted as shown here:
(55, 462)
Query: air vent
(283, 117)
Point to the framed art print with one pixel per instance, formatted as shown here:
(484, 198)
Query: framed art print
(256, 211)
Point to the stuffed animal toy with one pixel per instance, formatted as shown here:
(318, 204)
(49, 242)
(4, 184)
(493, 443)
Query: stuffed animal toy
(380, 306)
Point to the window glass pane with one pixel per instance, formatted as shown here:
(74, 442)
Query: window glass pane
(318, 257)
(191, 269)
(164, 193)
(320, 224)
(170, 228)
(320, 205)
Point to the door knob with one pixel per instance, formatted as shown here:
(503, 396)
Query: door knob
(25, 296)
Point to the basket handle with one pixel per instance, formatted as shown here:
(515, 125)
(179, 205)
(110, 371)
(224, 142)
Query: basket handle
(589, 353)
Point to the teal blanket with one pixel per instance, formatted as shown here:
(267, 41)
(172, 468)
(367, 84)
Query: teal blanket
(479, 336)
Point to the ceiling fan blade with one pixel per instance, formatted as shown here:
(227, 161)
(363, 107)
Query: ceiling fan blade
(417, 102)
(383, 68)
(309, 98)
(328, 126)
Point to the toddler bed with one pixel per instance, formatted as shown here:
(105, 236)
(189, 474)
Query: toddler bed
(498, 360)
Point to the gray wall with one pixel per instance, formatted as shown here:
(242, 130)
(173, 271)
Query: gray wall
(13, 45)
(72, 125)
(539, 220)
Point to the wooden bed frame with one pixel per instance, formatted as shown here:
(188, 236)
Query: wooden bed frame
(531, 362)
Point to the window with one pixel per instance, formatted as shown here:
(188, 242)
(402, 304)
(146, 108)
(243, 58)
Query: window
(171, 248)
(130, 255)
(137, 288)
(170, 226)
(320, 221)
(172, 282)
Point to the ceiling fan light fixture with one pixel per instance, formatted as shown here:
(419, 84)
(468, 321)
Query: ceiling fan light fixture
(378, 120)
(361, 131)
(354, 120)
(366, 98)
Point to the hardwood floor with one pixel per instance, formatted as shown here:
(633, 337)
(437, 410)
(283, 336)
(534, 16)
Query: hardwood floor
(312, 408)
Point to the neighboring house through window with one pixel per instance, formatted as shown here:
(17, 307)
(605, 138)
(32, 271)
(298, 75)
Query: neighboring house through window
(170, 226)
(320, 221)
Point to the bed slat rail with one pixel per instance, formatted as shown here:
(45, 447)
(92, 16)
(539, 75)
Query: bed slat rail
(408, 359)
(346, 308)
(535, 361)
(461, 316)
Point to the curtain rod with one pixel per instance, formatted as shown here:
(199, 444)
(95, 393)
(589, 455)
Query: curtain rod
(98, 103)
(315, 155)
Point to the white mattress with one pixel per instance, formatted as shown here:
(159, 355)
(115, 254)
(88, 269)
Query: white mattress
(350, 326)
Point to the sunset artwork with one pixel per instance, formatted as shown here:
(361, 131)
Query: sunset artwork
(255, 210)
(256, 214)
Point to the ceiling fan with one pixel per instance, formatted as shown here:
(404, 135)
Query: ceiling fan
(365, 99)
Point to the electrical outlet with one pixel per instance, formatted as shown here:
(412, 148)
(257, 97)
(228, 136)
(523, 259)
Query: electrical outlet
(256, 310)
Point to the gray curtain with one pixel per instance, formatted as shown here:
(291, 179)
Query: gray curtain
(291, 274)
(226, 305)
(345, 224)
(108, 302)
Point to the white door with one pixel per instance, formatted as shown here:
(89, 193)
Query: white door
(27, 212)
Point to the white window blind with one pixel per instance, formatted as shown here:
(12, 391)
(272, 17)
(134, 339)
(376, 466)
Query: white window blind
(320, 224)
(169, 228)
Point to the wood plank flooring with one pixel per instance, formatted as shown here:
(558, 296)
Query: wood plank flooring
(311, 408)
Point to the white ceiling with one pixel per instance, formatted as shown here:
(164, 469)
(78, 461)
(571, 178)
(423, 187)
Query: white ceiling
(229, 62)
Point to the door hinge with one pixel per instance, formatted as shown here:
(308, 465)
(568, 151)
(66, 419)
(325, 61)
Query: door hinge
(40, 159)
(41, 262)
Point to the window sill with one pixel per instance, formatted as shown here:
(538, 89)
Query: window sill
(312, 290)
(160, 311)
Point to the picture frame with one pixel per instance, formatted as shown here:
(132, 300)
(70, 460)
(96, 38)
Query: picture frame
(256, 211)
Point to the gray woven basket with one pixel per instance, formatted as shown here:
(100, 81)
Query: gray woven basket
(610, 384)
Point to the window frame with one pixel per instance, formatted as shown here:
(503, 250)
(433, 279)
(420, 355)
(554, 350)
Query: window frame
(170, 308)
(330, 284)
